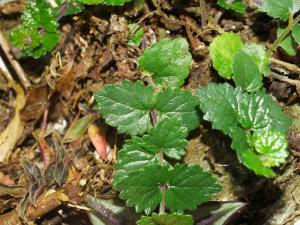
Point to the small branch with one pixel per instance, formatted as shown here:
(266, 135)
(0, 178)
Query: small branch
(291, 67)
(220, 13)
(45, 204)
(203, 13)
(287, 80)
(14, 63)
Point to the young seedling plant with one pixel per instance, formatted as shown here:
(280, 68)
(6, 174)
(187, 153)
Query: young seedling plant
(158, 117)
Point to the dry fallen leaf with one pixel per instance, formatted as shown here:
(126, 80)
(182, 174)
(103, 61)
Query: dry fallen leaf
(13, 132)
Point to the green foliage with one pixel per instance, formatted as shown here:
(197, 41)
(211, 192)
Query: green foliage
(237, 5)
(179, 104)
(136, 34)
(192, 184)
(289, 44)
(246, 72)
(296, 33)
(168, 135)
(105, 2)
(252, 121)
(222, 50)
(163, 115)
(259, 56)
(141, 188)
(127, 106)
(280, 9)
(166, 219)
(246, 64)
(38, 33)
(167, 62)
(272, 145)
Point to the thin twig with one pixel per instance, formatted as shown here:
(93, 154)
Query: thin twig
(291, 67)
(203, 13)
(285, 79)
(14, 63)
(220, 13)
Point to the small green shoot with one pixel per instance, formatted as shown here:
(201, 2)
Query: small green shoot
(162, 115)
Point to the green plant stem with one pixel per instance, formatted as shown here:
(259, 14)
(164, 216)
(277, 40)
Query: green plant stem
(291, 24)
(160, 156)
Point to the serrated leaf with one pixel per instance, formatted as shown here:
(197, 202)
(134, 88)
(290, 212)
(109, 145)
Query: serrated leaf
(126, 106)
(280, 9)
(242, 111)
(179, 104)
(288, 44)
(247, 156)
(168, 62)
(132, 157)
(137, 34)
(257, 111)
(236, 6)
(220, 104)
(222, 50)
(38, 33)
(142, 188)
(246, 72)
(166, 219)
(105, 2)
(296, 33)
(189, 186)
(259, 55)
(272, 145)
(168, 136)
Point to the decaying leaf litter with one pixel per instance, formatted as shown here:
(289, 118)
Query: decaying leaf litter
(50, 156)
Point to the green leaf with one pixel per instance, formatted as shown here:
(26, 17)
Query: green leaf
(272, 145)
(220, 104)
(247, 156)
(38, 33)
(166, 219)
(237, 114)
(280, 9)
(246, 72)
(236, 6)
(73, 7)
(288, 44)
(222, 50)
(126, 106)
(132, 157)
(167, 136)
(189, 186)
(179, 104)
(296, 33)
(257, 111)
(142, 187)
(105, 2)
(78, 128)
(259, 55)
(168, 62)
(137, 34)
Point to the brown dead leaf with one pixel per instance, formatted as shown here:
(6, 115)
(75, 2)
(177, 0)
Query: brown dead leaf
(13, 132)
(36, 102)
